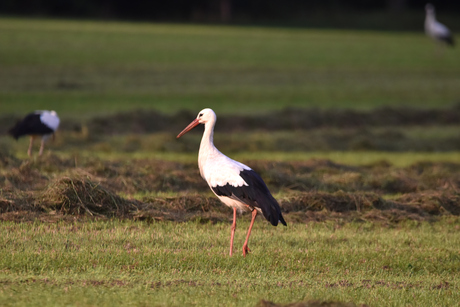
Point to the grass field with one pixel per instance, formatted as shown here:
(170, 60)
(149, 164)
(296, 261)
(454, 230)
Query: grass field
(117, 231)
(83, 67)
(170, 264)
(117, 214)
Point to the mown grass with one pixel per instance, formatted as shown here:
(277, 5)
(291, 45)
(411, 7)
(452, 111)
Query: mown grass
(400, 159)
(155, 147)
(53, 188)
(357, 146)
(388, 234)
(174, 264)
(83, 67)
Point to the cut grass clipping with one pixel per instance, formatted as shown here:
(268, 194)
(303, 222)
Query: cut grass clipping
(78, 195)
(291, 129)
(312, 190)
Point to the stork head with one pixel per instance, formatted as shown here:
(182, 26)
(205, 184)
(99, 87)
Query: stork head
(429, 8)
(204, 116)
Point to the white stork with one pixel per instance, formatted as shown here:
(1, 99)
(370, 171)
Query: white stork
(234, 183)
(38, 123)
(435, 29)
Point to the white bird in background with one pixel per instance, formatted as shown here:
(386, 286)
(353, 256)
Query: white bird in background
(38, 123)
(234, 183)
(435, 29)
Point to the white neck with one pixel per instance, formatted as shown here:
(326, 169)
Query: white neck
(207, 148)
(207, 141)
(430, 16)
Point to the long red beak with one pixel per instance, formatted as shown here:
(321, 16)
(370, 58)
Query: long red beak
(192, 125)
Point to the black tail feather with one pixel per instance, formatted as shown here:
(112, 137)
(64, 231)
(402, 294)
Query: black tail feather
(31, 124)
(262, 198)
(255, 194)
(14, 131)
(449, 40)
(272, 211)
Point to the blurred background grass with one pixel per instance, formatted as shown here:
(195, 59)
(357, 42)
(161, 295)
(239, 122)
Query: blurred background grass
(85, 68)
(102, 76)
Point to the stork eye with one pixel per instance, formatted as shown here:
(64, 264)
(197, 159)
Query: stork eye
(201, 114)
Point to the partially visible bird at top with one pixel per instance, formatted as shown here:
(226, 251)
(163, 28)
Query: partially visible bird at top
(36, 124)
(234, 183)
(435, 29)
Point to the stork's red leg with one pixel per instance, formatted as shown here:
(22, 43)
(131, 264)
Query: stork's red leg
(42, 146)
(29, 151)
(233, 231)
(245, 245)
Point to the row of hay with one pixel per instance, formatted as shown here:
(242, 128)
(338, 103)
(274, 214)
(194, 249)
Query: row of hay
(79, 195)
(147, 121)
(310, 190)
(138, 176)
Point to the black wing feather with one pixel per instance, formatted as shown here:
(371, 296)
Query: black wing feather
(255, 194)
(31, 124)
(449, 40)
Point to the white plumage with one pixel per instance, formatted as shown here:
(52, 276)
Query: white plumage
(435, 29)
(234, 183)
(227, 172)
(49, 118)
(39, 123)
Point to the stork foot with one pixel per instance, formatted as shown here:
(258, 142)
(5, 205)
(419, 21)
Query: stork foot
(31, 143)
(246, 250)
(40, 153)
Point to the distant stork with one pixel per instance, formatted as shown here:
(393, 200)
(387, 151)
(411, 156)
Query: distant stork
(435, 29)
(38, 123)
(234, 183)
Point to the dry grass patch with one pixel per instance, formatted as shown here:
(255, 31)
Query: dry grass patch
(149, 189)
(79, 195)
